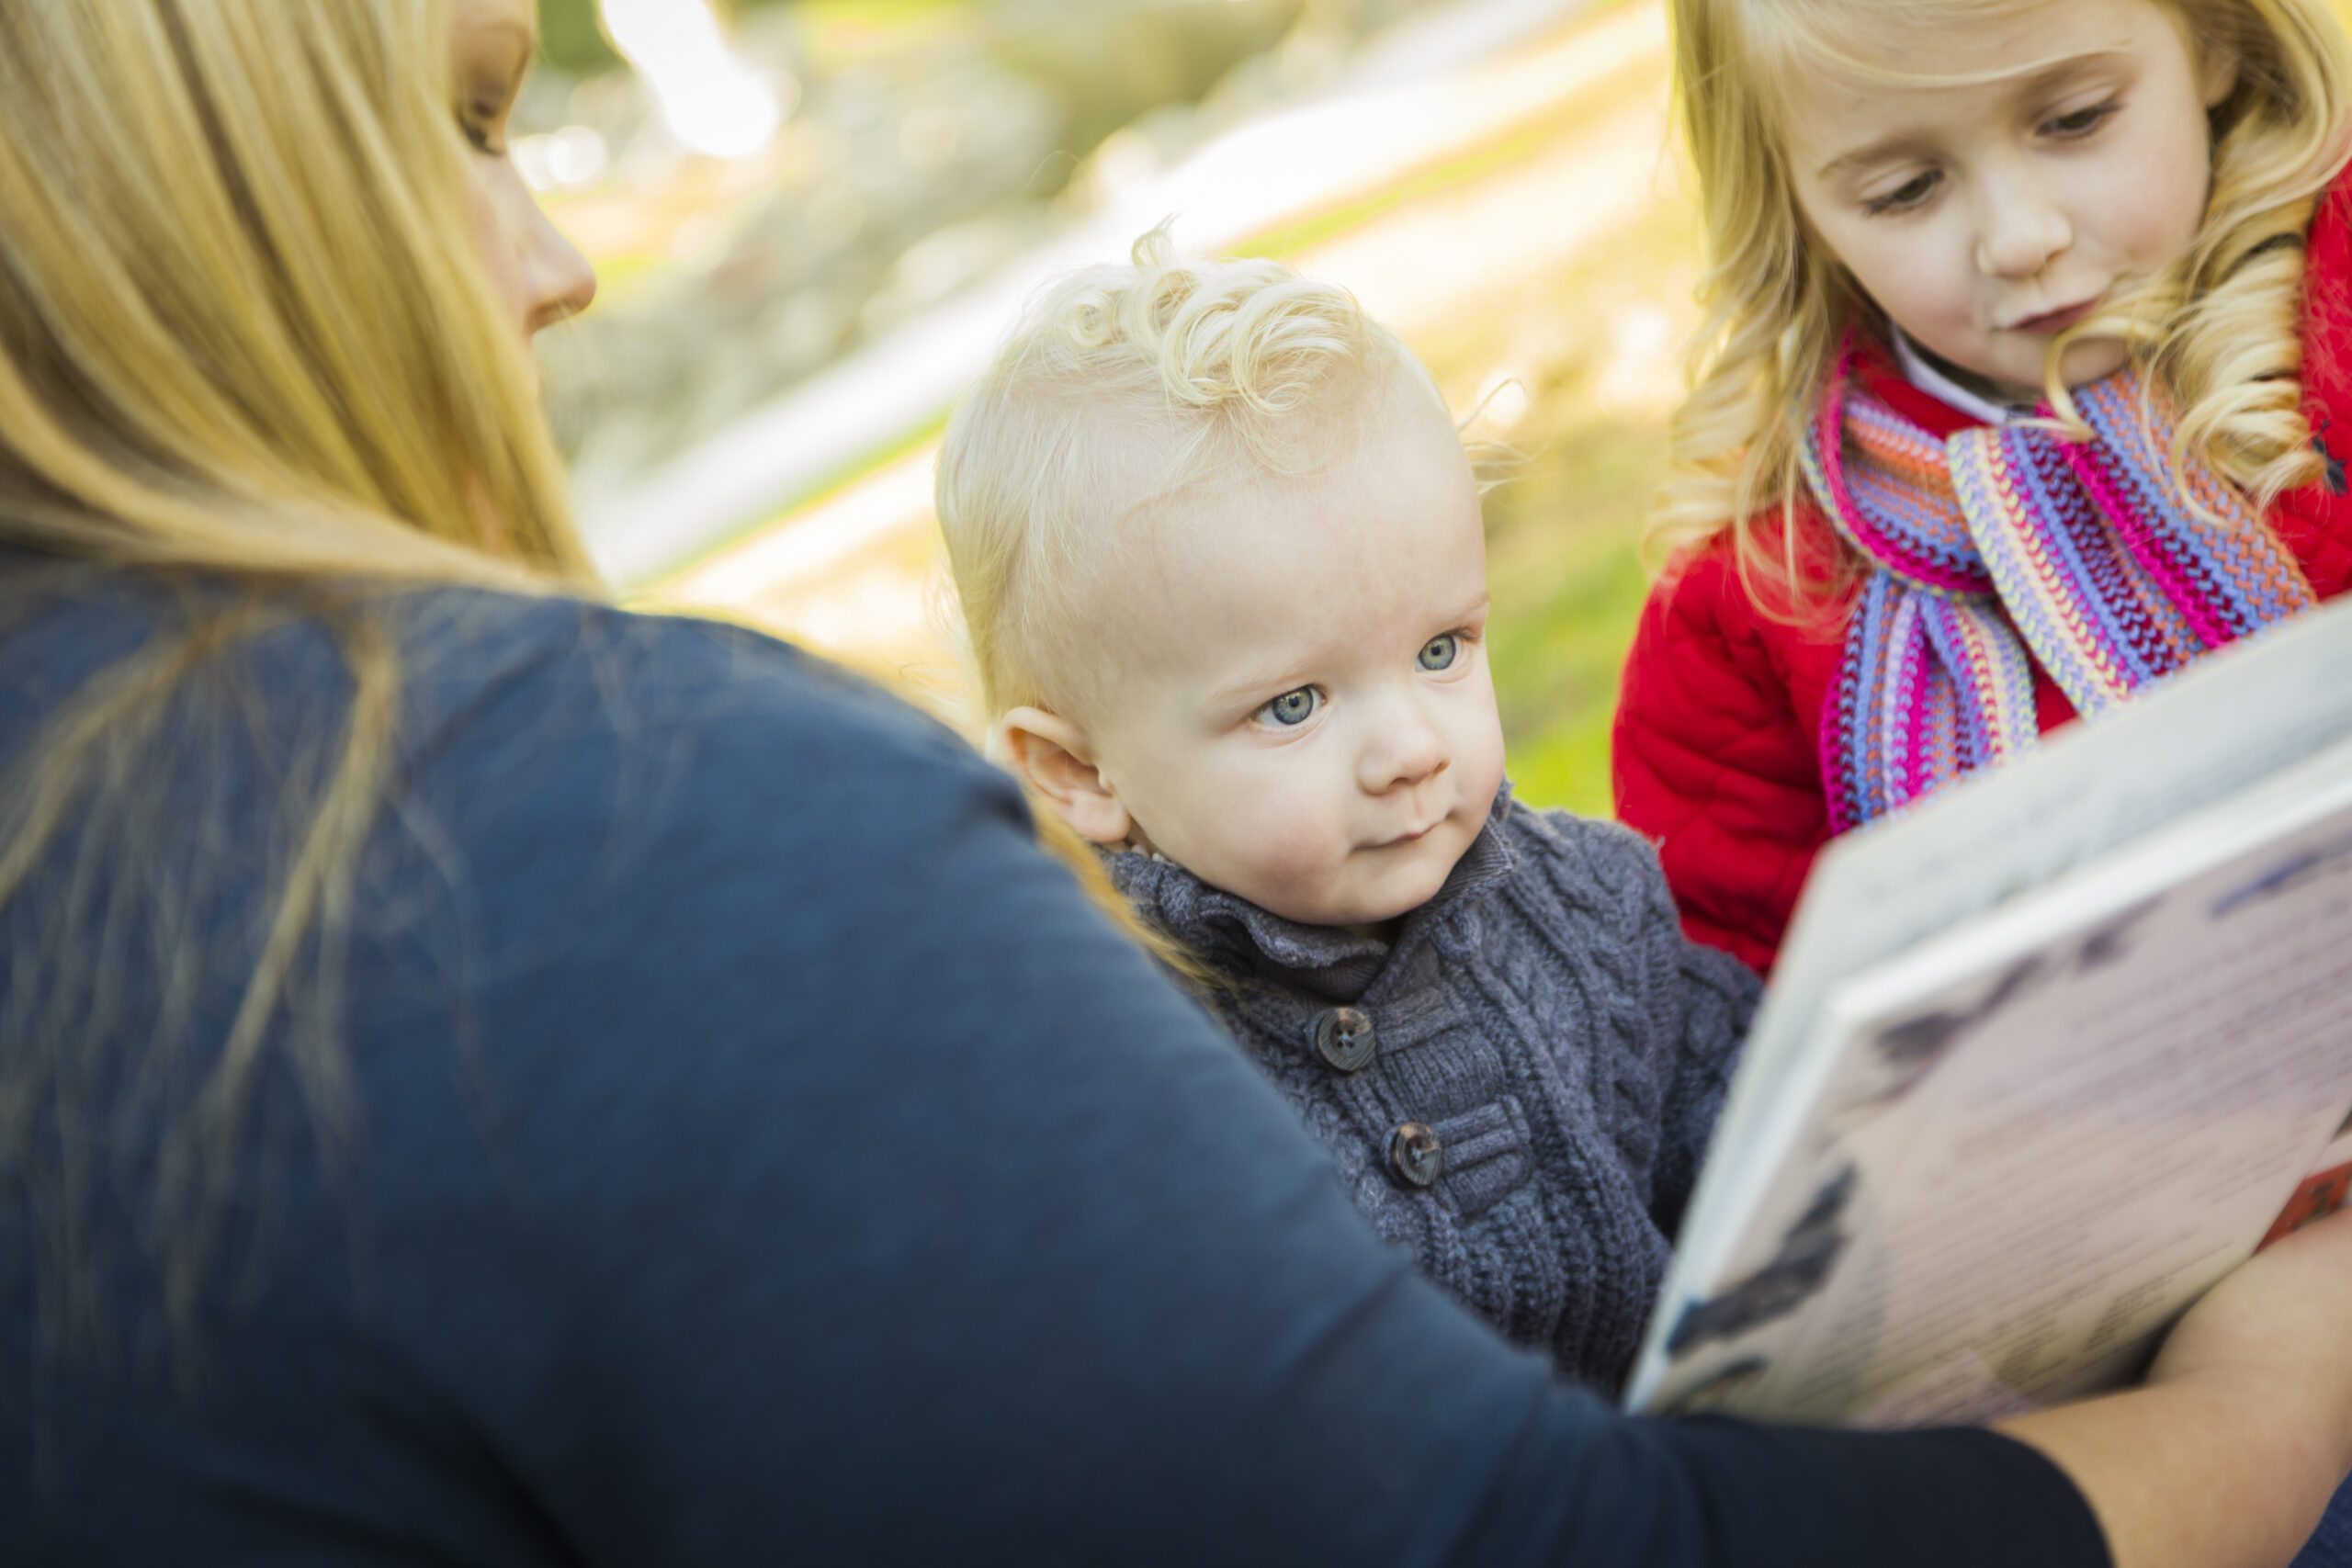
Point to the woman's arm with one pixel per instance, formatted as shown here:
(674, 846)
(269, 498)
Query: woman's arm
(861, 1188)
(2228, 1455)
(816, 1170)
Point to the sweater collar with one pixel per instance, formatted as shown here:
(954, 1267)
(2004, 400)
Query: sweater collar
(1331, 961)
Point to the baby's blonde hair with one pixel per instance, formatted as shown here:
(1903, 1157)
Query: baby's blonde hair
(2223, 328)
(1121, 388)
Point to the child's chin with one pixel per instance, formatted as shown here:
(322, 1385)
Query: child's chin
(1397, 892)
(2092, 359)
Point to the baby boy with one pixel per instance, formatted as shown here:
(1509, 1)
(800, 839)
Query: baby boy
(1220, 553)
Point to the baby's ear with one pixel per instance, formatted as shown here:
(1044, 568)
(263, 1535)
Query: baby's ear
(1051, 755)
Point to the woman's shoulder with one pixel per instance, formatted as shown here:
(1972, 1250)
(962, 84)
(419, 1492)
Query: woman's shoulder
(485, 678)
(589, 763)
(642, 783)
(483, 668)
(604, 713)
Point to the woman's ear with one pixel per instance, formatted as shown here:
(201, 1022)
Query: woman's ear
(1053, 757)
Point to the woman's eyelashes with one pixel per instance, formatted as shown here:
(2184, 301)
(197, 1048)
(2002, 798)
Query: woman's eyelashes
(482, 121)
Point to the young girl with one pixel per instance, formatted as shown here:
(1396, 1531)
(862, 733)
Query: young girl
(1221, 558)
(2024, 383)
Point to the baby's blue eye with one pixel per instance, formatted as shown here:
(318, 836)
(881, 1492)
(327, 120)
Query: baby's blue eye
(1439, 652)
(1292, 707)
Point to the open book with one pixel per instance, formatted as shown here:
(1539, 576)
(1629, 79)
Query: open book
(2043, 1060)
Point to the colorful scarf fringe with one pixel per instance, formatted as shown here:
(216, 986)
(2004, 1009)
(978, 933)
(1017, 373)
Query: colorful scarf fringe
(2004, 539)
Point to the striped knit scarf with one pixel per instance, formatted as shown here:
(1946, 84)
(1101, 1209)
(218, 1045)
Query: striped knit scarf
(2001, 540)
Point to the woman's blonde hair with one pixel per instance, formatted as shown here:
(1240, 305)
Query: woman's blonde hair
(2223, 328)
(247, 352)
(1121, 388)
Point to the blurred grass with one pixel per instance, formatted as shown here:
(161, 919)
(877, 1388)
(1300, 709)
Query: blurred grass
(1568, 586)
(1596, 349)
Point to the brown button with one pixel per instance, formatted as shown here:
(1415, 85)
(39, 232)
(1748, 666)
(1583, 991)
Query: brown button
(1415, 1154)
(1343, 1038)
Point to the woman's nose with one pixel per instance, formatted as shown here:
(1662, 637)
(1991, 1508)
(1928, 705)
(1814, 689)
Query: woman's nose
(561, 280)
(2019, 230)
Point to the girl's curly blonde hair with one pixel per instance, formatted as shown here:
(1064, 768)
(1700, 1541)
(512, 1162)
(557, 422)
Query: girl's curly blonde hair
(2222, 328)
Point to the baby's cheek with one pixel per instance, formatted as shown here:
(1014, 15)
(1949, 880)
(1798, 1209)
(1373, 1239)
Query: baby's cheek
(1285, 844)
(1288, 835)
(1479, 754)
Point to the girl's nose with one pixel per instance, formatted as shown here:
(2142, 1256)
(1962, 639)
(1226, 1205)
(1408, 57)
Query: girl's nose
(561, 281)
(2020, 230)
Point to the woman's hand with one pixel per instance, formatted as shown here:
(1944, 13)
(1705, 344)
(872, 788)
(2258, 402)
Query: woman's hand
(2226, 1457)
(2283, 1322)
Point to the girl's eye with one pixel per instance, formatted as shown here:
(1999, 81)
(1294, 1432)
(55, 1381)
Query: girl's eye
(2082, 122)
(1292, 708)
(1907, 195)
(1439, 652)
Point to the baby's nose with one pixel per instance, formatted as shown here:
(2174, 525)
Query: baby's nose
(1414, 754)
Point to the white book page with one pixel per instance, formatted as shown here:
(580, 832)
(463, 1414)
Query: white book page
(2239, 716)
(2041, 1137)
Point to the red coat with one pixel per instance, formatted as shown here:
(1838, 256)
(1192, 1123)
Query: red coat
(1718, 732)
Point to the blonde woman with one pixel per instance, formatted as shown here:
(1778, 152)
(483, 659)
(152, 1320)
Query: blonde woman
(487, 1080)
(1927, 223)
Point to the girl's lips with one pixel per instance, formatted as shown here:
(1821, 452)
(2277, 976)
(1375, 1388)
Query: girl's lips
(2056, 320)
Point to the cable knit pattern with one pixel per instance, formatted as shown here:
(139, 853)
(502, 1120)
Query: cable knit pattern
(1545, 1019)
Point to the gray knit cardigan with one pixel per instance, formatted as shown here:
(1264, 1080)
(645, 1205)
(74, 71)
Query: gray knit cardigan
(1519, 1088)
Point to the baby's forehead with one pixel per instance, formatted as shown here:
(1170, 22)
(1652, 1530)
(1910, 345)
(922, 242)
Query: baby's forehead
(1370, 548)
(1223, 499)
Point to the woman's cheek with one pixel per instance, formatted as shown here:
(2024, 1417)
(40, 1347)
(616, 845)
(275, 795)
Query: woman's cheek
(495, 245)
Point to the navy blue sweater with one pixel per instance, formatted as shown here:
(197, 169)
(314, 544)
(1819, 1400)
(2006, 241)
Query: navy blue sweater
(753, 1150)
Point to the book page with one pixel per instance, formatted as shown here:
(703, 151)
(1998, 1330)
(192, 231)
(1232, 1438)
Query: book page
(2236, 718)
(2043, 1137)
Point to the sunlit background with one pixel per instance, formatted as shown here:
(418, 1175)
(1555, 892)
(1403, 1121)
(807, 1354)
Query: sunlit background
(813, 218)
